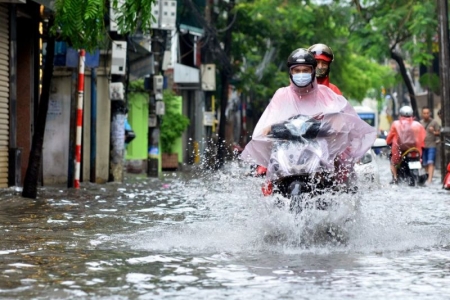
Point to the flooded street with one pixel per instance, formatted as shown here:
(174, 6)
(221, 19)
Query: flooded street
(214, 236)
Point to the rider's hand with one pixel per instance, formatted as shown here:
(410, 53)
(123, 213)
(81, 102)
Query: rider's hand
(431, 128)
(266, 130)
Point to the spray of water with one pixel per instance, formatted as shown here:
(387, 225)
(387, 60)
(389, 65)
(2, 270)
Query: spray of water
(228, 214)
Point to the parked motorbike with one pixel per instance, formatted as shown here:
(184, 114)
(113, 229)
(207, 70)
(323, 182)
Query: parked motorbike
(300, 167)
(446, 183)
(410, 170)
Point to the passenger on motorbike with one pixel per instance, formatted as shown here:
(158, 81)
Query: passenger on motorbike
(404, 134)
(305, 97)
(324, 57)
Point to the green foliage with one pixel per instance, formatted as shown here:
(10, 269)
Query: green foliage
(431, 81)
(136, 86)
(363, 76)
(404, 26)
(82, 22)
(173, 123)
(134, 14)
(423, 28)
(267, 31)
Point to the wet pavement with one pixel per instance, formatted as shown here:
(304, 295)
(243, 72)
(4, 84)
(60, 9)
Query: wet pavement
(212, 235)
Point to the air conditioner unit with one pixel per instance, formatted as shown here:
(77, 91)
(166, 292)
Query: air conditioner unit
(119, 57)
(113, 15)
(208, 72)
(168, 14)
(158, 81)
(116, 91)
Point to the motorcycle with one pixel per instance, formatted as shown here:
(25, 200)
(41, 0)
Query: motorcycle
(409, 169)
(304, 162)
(446, 183)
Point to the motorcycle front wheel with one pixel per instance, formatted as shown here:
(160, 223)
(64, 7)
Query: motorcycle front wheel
(414, 177)
(295, 195)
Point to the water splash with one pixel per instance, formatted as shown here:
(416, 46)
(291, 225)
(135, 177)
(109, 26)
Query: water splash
(225, 212)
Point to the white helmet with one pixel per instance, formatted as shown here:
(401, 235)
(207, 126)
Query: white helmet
(406, 111)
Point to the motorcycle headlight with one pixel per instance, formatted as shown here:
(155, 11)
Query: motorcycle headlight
(367, 158)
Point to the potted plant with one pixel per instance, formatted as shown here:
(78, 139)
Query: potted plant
(173, 124)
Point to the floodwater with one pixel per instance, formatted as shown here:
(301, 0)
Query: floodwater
(213, 236)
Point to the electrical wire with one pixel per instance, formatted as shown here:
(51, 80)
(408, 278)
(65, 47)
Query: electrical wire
(229, 25)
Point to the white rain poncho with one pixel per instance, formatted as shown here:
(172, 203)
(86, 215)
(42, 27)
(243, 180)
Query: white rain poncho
(347, 136)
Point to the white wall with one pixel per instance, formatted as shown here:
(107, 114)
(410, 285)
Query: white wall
(56, 139)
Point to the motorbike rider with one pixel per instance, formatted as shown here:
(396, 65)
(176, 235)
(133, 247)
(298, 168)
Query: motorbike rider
(404, 134)
(324, 57)
(304, 96)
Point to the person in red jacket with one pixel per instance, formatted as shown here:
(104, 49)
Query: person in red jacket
(404, 134)
(324, 57)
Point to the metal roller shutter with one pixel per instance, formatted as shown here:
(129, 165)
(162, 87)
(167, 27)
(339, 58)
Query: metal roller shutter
(4, 95)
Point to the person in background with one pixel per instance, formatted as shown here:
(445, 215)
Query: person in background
(405, 133)
(129, 133)
(324, 57)
(433, 130)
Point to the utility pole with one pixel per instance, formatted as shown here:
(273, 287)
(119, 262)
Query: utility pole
(444, 72)
(154, 156)
(225, 77)
(207, 58)
(118, 110)
(164, 22)
(430, 92)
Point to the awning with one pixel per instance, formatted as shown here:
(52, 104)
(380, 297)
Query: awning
(140, 59)
(191, 29)
(47, 3)
(13, 1)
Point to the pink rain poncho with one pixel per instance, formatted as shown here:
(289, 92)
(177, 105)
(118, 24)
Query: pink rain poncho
(404, 134)
(348, 136)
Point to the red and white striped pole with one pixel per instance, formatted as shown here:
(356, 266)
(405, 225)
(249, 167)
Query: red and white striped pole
(82, 58)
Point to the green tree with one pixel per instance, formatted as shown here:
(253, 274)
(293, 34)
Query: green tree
(173, 123)
(82, 24)
(400, 30)
(250, 41)
(268, 30)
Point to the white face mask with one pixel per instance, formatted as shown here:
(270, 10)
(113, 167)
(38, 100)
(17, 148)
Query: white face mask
(302, 79)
